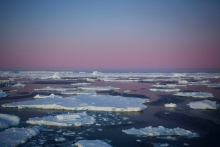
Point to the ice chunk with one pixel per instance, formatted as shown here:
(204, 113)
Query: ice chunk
(19, 85)
(79, 92)
(107, 88)
(91, 143)
(172, 105)
(3, 94)
(60, 139)
(48, 88)
(160, 144)
(116, 80)
(70, 119)
(161, 131)
(15, 136)
(205, 104)
(7, 120)
(38, 96)
(165, 89)
(167, 85)
(85, 102)
(127, 91)
(81, 84)
(195, 94)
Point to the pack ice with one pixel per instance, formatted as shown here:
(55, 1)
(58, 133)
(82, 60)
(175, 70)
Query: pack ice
(69, 119)
(14, 136)
(161, 131)
(91, 143)
(3, 94)
(48, 88)
(79, 92)
(195, 94)
(107, 88)
(205, 104)
(39, 96)
(85, 102)
(7, 120)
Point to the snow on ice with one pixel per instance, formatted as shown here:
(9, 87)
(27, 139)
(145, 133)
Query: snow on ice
(171, 105)
(204, 104)
(39, 96)
(7, 120)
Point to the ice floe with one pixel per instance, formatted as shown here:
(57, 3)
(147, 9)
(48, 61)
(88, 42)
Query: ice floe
(7, 120)
(80, 84)
(204, 104)
(39, 96)
(79, 92)
(85, 102)
(167, 85)
(19, 85)
(14, 136)
(195, 94)
(69, 119)
(121, 80)
(171, 105)
(161, 131)
(48, 88)
(107, 88)
(60, 139)
(165, 89)
(91, 143)
(3, 94)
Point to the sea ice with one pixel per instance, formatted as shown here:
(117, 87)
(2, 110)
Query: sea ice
(167, 85)
(161, 131)
(165, 90)
(79, 92)
(204, 104)
(81, 84)
(195, 94)
(38, 96)
(85, 102)
(19, 85)
(172, 105)
(3, 94)
(7, 120)
(69, 119)
(91, 143)
(107, 88)
(60, 139)
(55, 89)
(116, 80)
(14, 136)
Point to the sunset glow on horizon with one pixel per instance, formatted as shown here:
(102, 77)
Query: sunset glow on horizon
(109, 35)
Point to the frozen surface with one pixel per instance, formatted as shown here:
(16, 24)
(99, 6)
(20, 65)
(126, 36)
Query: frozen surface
(204, 104)
(3, 94)
(15, 136)
(80, 92)
(85, 102)
(39, 96)
(7, 120)
(69, 119)
(91, 143)
(161, 131)
(48, 88)
(172, 105)
(195, 94)
(165, 89)
(107, 88)
(81, 84)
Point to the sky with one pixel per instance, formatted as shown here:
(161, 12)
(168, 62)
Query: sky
(105, 35)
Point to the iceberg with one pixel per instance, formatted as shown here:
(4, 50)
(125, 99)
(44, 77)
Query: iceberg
(69, 119)
(38, 96)
(14, 136)
(3, 94)
(79, 92)
(107, 88)
(165, 89)
(7, 120)
(171, 105)
(85, 102)
(204, 104)
(48, 88)
(195, 94)
(91, 143)
(161, 131)
(80, 84)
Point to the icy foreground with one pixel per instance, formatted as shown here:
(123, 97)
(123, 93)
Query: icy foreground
(205, 104)
(69, 119)
(91, 143)
(39, 96)
(85, 102)
(7, 120)
(79, 92)
(3, 94)
(165, 89)
(107, 88)
(195, 94)
(15, 136)
(161, 131)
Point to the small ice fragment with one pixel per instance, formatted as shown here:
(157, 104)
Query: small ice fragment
(60, 139)
(171, 105)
